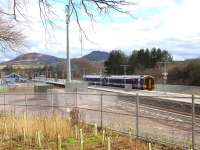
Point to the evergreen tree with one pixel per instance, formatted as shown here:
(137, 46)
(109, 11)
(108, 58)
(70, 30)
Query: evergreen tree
(114, 62)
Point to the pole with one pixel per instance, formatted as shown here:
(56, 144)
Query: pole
(68, 80)
(4, 103)
(76, 100)
(52, 103)
(101, 109)
(137, 115)
(164, 74)
(193, 122)
(26, 105)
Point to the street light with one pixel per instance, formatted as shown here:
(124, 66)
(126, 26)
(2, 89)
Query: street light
(67, 11)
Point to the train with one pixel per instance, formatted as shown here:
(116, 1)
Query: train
(142, 82)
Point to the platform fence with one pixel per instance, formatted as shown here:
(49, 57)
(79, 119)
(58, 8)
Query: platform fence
(167, 120)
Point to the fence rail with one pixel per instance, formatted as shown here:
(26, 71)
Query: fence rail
(152, 118)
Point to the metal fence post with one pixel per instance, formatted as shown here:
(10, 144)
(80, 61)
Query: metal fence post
(137, 115)
(52, 105)
(193, 122)
(76, 99)
(4, 104)
(26, 104)
(14, 109)
(101, 109)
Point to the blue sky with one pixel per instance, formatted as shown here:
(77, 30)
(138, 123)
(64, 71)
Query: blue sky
(172, 25)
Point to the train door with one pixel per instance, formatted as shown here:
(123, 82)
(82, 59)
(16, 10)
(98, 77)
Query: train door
(134, 83)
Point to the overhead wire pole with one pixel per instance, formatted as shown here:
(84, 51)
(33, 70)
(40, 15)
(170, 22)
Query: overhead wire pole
(81, 42)
(164, 74)
(67, 11)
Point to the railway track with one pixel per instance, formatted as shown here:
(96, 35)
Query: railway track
(165, 116)
(163, 109)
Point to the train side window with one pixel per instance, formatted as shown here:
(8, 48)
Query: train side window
(128, 81)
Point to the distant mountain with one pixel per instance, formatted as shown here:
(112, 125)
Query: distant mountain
(38, 59)
(97, 56)
(43, 59)
(33, 59)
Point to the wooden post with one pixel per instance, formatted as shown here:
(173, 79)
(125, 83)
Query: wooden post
(103, 137)
(109, 144)
(149, 146)
(59, 143)
(81, 139)
(76, 132)
(38, 137)
(95, 129)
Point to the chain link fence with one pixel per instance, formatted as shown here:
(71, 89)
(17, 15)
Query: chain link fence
(168, 120)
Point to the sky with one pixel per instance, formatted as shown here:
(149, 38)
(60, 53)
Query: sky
(172, 25)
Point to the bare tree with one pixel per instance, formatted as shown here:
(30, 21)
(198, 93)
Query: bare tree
(10, 37)
(13, 39)
(77, 7)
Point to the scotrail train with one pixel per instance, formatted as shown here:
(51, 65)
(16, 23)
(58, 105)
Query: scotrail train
(142, 82)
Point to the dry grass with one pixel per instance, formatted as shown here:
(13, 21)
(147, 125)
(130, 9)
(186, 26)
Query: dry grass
(22, 133)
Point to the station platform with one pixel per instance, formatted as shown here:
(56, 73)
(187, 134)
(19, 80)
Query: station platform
(187, 98)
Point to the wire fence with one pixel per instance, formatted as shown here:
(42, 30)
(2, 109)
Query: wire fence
(168, 120)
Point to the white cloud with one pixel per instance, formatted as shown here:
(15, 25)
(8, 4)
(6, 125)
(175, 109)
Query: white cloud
(156, 22)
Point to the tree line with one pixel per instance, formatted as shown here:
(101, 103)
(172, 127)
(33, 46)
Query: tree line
(186, 72)
(139, 60)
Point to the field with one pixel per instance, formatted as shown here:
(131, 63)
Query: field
(55, 132)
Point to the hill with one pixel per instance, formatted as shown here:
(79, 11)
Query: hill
(43, 59)
(37, 62)
(97, 56)
(33, 59)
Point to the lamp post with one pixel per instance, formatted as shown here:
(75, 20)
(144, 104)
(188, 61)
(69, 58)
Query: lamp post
(67, 11)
